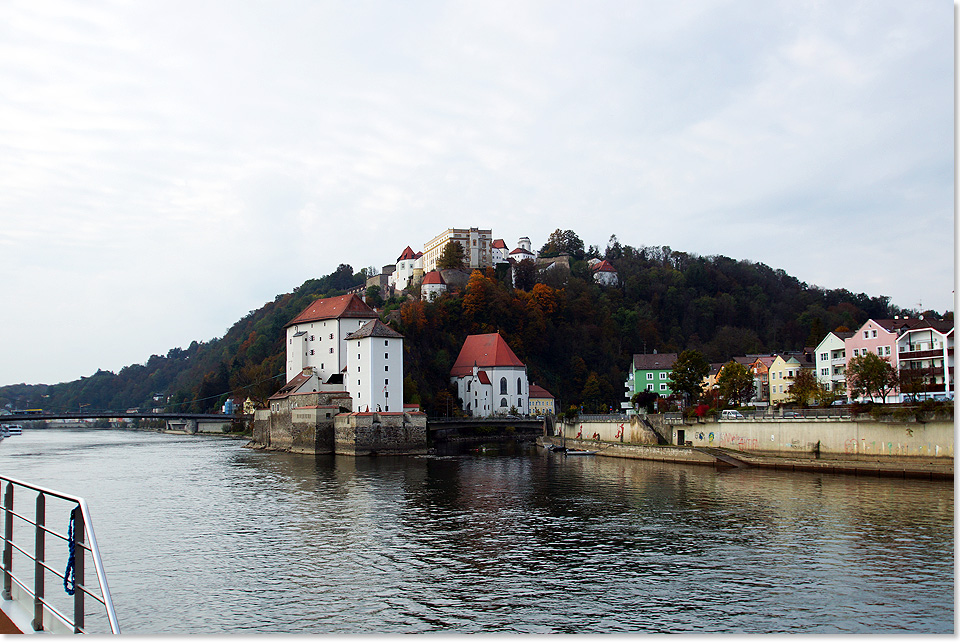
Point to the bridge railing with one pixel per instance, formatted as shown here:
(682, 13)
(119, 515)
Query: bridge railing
(28, 587)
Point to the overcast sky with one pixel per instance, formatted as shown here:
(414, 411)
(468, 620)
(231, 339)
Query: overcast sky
(166, 167)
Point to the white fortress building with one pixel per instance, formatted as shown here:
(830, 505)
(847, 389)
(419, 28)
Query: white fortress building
(477, 247)
(341, 341)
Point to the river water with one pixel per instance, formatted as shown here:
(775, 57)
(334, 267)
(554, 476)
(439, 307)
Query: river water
(201, 535)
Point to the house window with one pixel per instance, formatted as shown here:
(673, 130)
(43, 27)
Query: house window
(886, 350)
(312, 338)
(311, 353)
(650, 387)
(358, 357)
(386, 394)
(866, 334)
(331, 350)
(824, 371)
(503, 403)
(386, 355)
(385, 342)
(663, 376)
(880, 350)
(824, 356)
(663, 386)
(650, 376)
(519, 388)
(386, 382)
(873, 334)
(331, 336)
(386, 368)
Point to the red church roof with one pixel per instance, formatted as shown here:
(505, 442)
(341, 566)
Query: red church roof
(520, 250)
(499, 245)
(486, 351)
(347, 306)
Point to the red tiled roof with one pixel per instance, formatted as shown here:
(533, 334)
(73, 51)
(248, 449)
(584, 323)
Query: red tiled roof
(604, 266)
(293, 385)
(520, 250)
(487, 351)
(482, 376)
(536, 392)
(499, 245)
(433, 278)
(347, 306)
(407, 254)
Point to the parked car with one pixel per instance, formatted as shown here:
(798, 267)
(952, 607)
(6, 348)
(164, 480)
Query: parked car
(790, 414)
(730, 414)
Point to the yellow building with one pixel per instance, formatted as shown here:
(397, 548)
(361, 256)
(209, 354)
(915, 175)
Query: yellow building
(541, 402)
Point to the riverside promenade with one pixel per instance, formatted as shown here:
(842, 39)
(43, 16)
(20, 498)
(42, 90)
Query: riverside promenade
(895, 467)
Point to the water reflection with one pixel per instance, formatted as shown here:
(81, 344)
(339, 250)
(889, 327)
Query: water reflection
(202, 535)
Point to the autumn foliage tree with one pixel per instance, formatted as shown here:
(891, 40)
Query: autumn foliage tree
(736, 384)
(872, 376)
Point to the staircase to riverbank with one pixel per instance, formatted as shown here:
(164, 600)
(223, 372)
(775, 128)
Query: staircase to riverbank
(722, 456)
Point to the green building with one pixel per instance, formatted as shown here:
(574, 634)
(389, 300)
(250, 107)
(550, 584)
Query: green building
(650, 373)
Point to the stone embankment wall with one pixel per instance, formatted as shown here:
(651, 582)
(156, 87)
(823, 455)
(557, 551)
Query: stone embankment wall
(823, 438)
(316, 424)
(627, 431)
(380, 433)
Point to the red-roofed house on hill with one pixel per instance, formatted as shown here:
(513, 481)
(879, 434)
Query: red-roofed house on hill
(605, 274)
(316, 338)
(490, 378)
(432, 286)
(409, 263)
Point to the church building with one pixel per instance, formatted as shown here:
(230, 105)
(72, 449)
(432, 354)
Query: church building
(490, 379)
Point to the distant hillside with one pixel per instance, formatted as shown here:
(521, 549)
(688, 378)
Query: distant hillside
(576, 337)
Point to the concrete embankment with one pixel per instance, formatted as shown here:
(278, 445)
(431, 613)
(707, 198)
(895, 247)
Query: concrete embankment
(913, 468)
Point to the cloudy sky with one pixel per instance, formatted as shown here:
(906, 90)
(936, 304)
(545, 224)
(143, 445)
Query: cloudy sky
(166, 167)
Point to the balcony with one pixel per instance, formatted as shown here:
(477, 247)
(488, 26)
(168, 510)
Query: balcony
(920, 354)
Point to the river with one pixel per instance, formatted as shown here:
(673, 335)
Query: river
(201, 535)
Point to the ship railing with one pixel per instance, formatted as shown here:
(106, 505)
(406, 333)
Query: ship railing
(27, 587)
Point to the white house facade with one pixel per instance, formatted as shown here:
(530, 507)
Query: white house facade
(316, 338)
(407, 263)
(374, 374)
(831, 361)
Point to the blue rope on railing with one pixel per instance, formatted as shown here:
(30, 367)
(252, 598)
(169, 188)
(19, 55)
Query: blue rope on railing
(69, 576)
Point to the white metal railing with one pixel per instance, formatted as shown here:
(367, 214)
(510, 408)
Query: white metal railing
(82, 541)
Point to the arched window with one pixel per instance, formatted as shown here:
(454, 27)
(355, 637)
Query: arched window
(519, 387)
(503, 385)
(503, 402)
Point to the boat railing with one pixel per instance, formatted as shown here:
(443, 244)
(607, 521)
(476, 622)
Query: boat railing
(26, 568)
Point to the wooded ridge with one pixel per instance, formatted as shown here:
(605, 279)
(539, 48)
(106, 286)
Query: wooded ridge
(576, 337)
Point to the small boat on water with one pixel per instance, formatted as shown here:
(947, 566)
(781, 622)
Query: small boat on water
(575, 451)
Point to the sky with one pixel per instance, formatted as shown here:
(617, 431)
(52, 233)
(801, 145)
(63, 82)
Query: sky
(167, 167)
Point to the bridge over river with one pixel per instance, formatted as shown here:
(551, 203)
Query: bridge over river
(480, 429)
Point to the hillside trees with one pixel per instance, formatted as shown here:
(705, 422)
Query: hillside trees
(561, 324)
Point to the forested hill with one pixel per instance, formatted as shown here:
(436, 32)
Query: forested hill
(576, 337)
